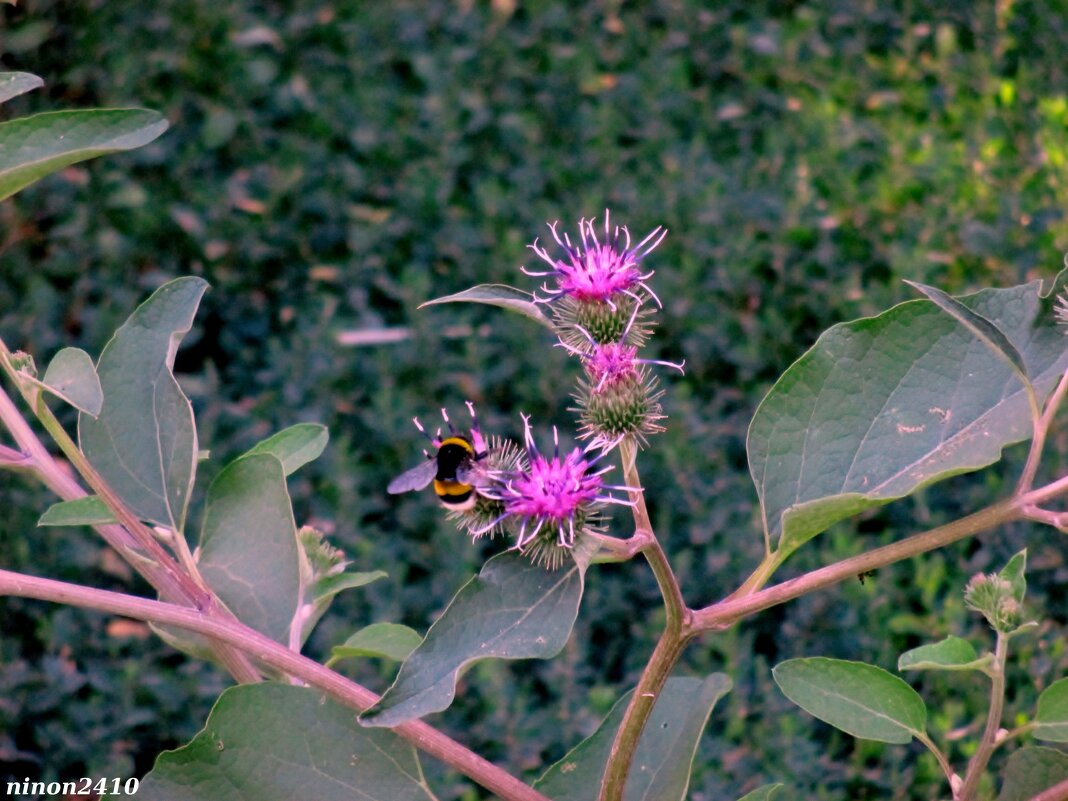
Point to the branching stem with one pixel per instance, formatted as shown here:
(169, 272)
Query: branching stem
(988, 742)
(1041, 426)
(250, 641)
(132, 539)
(677, 633)
(943, 763)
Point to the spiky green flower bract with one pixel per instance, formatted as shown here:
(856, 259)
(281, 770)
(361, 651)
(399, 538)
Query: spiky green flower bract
(582, 323)
(993, 597)
(628, 406)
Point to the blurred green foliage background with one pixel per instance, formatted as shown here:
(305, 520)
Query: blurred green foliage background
(331, 165)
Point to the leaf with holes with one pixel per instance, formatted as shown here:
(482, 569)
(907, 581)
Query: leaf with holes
(881, 407)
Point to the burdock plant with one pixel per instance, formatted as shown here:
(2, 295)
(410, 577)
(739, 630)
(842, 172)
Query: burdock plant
(876, 410)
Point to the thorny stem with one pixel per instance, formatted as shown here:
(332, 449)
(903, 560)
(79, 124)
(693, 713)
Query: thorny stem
(988, 742)
(266, 650)
(677, 633)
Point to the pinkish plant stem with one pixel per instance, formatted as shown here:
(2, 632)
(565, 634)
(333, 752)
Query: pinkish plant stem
(247, 640)
(677, 633)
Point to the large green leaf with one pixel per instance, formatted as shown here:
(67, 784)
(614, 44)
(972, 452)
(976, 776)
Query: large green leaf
(662, 763)
(1051, 720)
(72, 377)
(952, 653)
(295, 446)
(248, 547)
(507, 297)
(36, 146)
(379, 640)
(513, 609)
(880, 407)
(1031, 770)
(87, 511)
(983, 329)
(763, 793)
(273, 742)
(863, 700)
(13, 84)
(144, 441)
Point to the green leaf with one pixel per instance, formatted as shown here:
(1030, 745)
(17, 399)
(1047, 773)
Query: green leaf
(883, 406)
(87, 511)
(274, 742)
(385, 640)
(1052, 717)
(764, 793)
(502, 295)
(513, 609)
(144, 441)
(987, 333)
(13, 84)
(329, 586)
(1031, 770)
(662, 763)
(36, 146)
(248, 547)
(860, 699)
(1015, 572)
(952, 653)
(295, 446)
(72, 377)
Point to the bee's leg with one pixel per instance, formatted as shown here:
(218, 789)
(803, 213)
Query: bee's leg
(476, 433)
(435, 441)
(448, 422)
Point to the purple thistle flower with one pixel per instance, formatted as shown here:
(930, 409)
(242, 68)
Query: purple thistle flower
(596, 269)
(611, 364)
(551, 499)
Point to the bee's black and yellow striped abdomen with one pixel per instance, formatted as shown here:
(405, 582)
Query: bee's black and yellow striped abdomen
(453, 493)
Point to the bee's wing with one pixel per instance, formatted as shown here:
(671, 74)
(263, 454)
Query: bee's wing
(474, 472)
(415, 479)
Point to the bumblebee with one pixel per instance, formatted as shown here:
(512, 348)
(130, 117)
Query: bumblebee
(453, 469)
